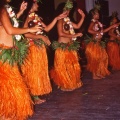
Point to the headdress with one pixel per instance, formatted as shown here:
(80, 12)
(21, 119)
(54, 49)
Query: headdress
(68, 5)
(114, 15)
(96, 8)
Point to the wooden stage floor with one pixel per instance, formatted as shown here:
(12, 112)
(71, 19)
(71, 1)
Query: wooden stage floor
(95, 100)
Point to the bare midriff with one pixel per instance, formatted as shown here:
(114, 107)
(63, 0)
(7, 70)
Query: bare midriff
(5, 38)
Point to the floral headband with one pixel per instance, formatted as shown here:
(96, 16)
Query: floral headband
(68, 5)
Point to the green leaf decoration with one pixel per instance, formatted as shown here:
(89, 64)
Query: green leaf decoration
(39, 42)
(16, 54)
(74, 45)
(68, 5)
(89, 39)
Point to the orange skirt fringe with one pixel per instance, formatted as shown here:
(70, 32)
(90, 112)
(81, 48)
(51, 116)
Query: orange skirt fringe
(113, 55)
(15, 102)
(97, 59)
(66, 72)
(35, 71)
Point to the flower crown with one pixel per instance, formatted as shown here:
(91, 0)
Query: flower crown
(114, 14)
(68, 5)
(96, 8)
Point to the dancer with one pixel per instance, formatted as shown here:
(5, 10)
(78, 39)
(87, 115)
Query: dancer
(15, 101)
(97, 58)
(113, 49)
(35, 69)
(67, 71)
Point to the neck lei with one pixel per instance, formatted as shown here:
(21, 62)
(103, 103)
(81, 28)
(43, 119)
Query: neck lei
(37, 21)
(14, 20)
(98, 26)
(71, 29)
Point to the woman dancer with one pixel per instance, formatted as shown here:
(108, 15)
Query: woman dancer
(15, 101)
(67, 71)
(35, 69)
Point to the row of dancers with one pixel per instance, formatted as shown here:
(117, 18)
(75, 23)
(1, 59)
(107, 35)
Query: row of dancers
(24, 74)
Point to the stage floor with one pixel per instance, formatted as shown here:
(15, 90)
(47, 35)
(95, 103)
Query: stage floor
(95, 100)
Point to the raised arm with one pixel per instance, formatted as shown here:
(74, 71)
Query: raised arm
(22, 9)
(77, 26)
(51, 25)
(112, 26)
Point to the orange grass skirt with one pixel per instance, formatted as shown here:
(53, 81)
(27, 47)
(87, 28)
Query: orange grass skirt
(97, 59)
(113, 55)
(35, 71)
(66, 72)
(15, 101)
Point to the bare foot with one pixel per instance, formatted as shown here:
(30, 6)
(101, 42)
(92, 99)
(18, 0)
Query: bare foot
(96, 77)
(65, 89)
(39, 101)
(101, 76)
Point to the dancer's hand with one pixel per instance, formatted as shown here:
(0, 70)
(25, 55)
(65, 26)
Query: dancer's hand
(115, 25)
(78, 35)
(46, 40)
(22, 9)
(63, 15)
(81, 12)
(23, 6)
(35, 29)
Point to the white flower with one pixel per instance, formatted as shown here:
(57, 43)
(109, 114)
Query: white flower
(34, 21)
(39, 23)
(16, 24)
(12, 14)
(74, 39)
(18, 37)
(71, 30)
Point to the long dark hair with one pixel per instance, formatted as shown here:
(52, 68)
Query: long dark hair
(2, 4)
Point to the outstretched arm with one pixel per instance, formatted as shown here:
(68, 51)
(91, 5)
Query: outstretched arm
(51, 25)
(112, 26)
(34, 36)
(77, 26)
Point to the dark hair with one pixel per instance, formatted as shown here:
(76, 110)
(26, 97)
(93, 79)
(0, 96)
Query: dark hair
(59, 9)
(93, 12)
(2, 4)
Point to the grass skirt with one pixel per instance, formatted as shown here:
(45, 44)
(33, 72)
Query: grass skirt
(66, 72)
(97, 59)
(113, 55)
(15, 102)
(35, 71)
